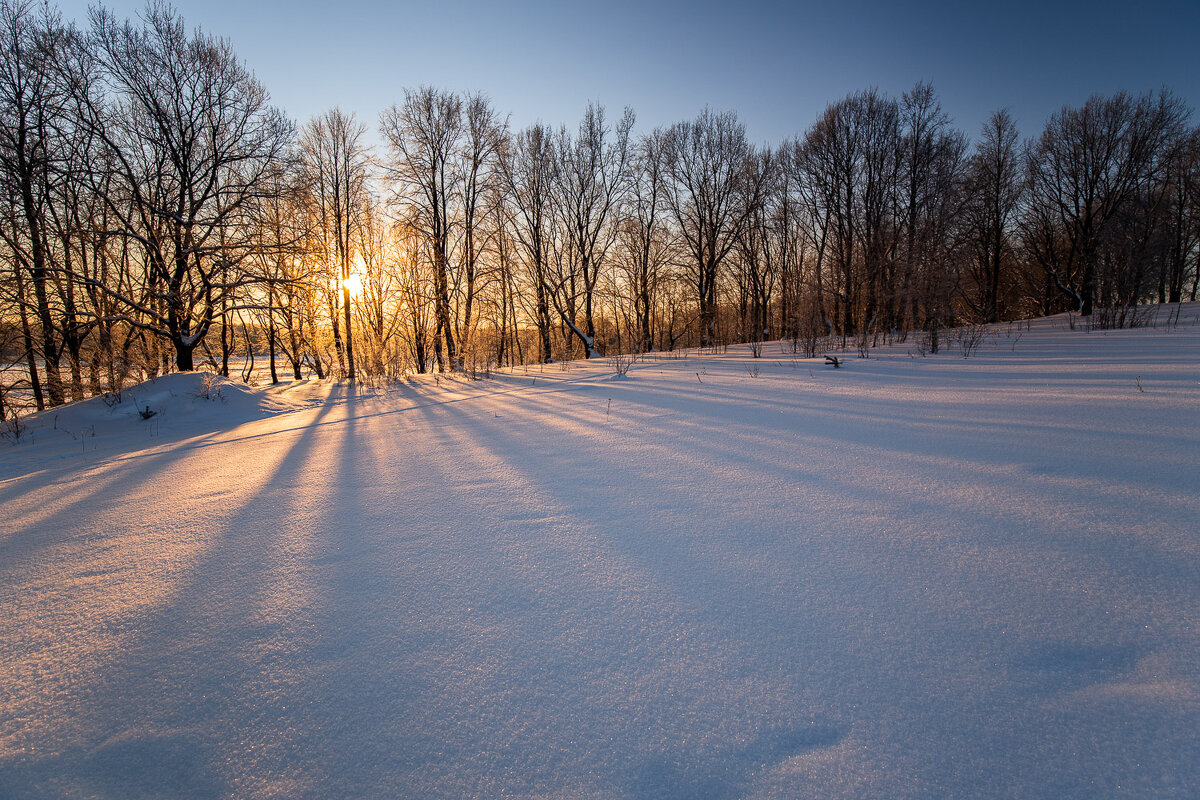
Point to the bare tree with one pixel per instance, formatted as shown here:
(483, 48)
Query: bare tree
(279, 232)
(32, 108)
(505, 323)
(711, 190)
(756, 265)
(406, 260)
(422, 136)
(791, 239)
(1088, 166)
(188, 135)
(993, 190)
(930, 181)
(478, 154)
(528, 170)
(593, 175)
(850, 160)
(645, 239)
(808, 166)
(1181, 220)
(335, 164)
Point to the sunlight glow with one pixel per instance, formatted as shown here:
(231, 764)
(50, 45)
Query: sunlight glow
(353, 284)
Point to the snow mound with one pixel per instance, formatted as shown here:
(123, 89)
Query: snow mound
(164, 409)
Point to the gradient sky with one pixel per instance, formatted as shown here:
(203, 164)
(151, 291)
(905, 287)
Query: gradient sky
(778, 65)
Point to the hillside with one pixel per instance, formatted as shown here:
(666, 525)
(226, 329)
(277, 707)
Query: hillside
(716, 576)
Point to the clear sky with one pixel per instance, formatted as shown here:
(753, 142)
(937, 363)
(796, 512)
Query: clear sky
(776, 64)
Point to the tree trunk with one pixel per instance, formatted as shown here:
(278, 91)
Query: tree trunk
(183, 355)
(349, 330)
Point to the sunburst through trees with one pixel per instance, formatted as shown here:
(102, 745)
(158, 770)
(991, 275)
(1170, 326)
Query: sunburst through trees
(163, 215)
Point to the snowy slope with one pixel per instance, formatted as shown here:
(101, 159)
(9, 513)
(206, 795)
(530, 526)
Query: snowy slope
(157, 412)
(715, 577)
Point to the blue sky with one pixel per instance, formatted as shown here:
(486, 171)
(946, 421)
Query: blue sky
(776, 64)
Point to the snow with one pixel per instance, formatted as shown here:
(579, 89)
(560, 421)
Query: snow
(717, 577)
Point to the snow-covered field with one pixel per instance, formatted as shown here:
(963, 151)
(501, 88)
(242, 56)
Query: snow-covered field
(716, 577)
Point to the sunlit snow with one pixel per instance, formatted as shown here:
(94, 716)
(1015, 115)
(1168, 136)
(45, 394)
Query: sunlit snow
(714, 577)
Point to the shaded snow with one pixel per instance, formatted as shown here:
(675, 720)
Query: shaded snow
(157, 412)
(719, 577)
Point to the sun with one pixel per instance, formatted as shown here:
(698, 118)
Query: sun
(353, 284)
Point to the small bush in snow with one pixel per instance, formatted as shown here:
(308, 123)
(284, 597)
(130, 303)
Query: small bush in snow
(922, 344)
(621, 362)
(810, 331)
(969, 337)
(12, 429)
(209, 388)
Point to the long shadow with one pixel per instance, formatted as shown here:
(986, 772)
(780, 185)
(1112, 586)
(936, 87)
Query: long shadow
(364, 618)
(391, 620)
(705, 579)
(995, 441)
(905, 427)
(737, 615)
(726, 773)
(334, 625)
(90, 495)
(988, 452)
(173, 442)
(164, 714)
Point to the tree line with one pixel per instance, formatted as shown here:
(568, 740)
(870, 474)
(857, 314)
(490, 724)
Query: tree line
(162, 215)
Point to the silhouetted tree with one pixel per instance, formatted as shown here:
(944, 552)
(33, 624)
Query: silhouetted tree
(528, 169)
(711, 189)
(1088, 166)
(593, 176)
(993, 191)
(187, 135)
(422, 136)
(645, 240)
(32, 111)
(335, 162)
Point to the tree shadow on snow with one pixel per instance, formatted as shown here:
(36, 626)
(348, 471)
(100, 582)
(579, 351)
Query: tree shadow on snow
(132, 768)
(726, 773)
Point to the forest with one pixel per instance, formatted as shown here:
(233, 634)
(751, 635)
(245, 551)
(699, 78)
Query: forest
(162, 215)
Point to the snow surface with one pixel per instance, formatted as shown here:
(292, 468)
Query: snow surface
(715, 577)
